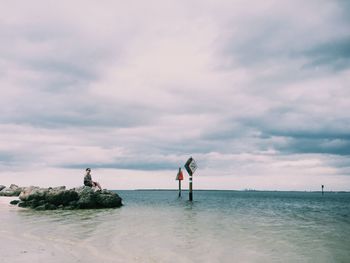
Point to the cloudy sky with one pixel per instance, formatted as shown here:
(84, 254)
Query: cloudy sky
(256, 91)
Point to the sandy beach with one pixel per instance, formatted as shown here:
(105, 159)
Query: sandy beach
(18, 245)
(41, 237)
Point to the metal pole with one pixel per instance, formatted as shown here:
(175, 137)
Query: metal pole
(179, 188)
(190, 192)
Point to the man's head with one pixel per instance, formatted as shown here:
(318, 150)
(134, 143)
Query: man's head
(88, 170)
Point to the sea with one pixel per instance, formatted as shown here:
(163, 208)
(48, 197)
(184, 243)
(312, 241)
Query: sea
(159, 226)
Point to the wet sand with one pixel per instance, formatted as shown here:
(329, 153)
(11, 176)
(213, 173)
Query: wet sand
(31, 236)
(18, 246)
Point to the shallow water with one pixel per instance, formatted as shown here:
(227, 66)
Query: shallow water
(156, 226)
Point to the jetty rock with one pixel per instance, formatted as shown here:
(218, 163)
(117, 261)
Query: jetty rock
(83, 197)
(13, 190)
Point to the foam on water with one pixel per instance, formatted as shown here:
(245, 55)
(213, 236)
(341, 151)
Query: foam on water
(156, 226)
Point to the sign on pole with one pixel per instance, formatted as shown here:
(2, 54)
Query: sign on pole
(179, 177)
(191, 167)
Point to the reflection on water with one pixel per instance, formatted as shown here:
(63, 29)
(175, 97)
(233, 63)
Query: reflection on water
(219, 226)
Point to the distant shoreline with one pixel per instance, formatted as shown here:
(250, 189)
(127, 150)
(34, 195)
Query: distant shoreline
(217, 190)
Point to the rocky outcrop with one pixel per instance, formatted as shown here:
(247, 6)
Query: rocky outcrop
(2, 187)
(13, 190)
(59, 198)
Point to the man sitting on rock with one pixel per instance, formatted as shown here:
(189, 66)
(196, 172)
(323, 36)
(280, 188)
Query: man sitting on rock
(88, 180)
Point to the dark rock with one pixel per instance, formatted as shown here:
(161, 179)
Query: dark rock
(2, 187)
(63, 197)
(23, 204)
(14, 202)
(87, 198)
(108, 199)
(60, 198)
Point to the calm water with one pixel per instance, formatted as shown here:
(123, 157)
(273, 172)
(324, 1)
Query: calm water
(156, 226)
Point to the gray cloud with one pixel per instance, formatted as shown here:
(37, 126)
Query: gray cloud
(75, 115)
(328, 137)
(6, 158)
(334, 54)
(290, 35)
(325, 146)
(143, 88)
(135, 165)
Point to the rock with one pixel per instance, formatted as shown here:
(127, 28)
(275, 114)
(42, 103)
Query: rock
(60, 198)
(80, 189)
(108, 199)
(27, 191)
(87, 198)
(33, 195)
(23, 204)
(57, 189)
(63, 197)
(13, 190)
(2, 187)
(14, 202)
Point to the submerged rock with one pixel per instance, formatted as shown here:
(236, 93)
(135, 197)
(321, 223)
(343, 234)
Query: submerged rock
(14, 202)
(13, 190)
(59, 198)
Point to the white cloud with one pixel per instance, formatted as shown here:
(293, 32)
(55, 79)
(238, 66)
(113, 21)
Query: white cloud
(255, 91)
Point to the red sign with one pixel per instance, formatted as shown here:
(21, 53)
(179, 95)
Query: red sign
(179, 176)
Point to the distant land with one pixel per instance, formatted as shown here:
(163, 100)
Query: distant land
(244, 190)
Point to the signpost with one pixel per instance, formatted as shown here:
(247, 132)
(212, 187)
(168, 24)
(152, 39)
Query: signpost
(191, 167)
(179, 177)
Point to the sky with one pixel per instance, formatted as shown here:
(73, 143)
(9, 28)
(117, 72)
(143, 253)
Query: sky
(257, 92)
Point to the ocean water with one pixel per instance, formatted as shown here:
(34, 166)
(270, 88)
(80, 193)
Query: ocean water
(157, 226)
